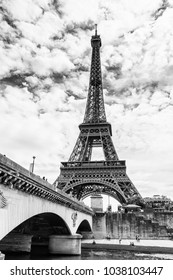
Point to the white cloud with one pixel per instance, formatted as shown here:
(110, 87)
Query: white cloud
(47, 26)
(80, 11)
(47, 62)
(21, 10)
(45, 57)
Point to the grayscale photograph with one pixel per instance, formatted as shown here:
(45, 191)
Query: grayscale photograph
(86, 130)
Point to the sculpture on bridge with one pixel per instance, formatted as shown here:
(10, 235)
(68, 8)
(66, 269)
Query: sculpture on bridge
(3, 200)
(74, 218)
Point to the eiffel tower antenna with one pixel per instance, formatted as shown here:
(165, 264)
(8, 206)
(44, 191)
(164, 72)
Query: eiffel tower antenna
(95, 29)
(81, 176)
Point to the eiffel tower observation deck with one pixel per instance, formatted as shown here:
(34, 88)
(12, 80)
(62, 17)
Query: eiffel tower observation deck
(82, 177)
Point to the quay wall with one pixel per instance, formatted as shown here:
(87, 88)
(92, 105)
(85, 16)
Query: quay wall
(129, 225)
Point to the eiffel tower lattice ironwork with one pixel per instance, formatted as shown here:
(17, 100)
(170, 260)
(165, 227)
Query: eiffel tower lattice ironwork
(81, 176)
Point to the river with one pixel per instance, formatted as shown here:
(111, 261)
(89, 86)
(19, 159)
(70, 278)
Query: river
(89, 254)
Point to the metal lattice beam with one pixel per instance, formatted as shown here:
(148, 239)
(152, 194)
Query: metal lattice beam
(95, 111)
(81, 176)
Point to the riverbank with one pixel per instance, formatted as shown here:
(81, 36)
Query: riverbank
(132, 248)
(105, 249)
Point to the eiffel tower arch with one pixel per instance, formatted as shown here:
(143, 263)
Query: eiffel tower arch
(80, 176)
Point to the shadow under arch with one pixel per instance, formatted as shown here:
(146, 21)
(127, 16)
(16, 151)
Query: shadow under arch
(85, 230)
(43, 224)
(34, 233)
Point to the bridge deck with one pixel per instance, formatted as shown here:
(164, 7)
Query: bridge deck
(15, 176)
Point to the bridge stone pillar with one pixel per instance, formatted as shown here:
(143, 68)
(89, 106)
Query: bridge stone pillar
(16, 242)
(65, 244)
(2, 256)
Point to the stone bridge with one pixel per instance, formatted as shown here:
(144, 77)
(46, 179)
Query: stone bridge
(26, 199)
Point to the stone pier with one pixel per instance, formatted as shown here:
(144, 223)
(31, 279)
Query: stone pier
(65, 244)
(2, 256)
(15, 242)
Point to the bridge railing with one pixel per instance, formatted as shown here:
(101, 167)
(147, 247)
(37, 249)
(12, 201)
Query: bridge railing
(16, 169)
(15, 176)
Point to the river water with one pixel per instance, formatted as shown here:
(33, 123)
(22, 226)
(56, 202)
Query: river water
(89, 254)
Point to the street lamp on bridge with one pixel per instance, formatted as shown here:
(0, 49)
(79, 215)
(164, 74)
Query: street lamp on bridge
(32, 169)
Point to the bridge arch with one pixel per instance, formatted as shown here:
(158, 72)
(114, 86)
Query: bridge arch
(84, 226)
(21, 206)
(35, 229)
(43, 224)
(84, 229)
(108, 187)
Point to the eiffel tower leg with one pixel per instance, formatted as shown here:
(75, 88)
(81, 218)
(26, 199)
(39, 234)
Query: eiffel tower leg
(78, 150)
(131, 193)
(108, 148)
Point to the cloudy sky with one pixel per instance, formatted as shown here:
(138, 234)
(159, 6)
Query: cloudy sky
(45, 58)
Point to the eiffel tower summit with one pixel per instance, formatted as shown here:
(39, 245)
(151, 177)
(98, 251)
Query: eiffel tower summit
(80, 176)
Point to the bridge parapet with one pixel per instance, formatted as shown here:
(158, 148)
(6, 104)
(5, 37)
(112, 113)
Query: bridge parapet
(13, 175)
(17, 169)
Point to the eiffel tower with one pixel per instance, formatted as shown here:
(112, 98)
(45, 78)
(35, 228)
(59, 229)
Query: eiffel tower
(80, 176)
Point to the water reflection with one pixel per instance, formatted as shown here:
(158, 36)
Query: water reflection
(92, 255)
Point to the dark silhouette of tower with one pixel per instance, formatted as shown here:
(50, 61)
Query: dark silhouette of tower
(81, 176)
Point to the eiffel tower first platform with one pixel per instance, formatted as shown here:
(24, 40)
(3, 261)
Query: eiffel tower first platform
(80, 176)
